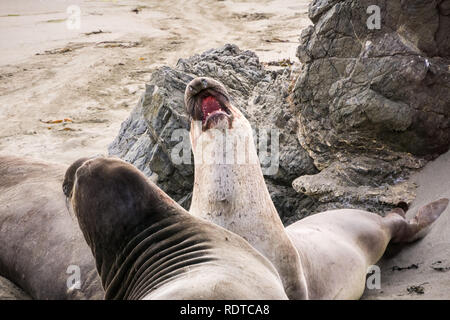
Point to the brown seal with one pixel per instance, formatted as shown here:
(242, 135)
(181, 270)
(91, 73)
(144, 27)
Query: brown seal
(148, 247)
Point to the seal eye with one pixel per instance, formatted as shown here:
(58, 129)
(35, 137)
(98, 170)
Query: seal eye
(66, 189)
(191, 89)
(204, 83)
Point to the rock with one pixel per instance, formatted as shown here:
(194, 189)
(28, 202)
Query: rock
(347, 184)
(416, 289)
(372, 105)
(149, 136)
(9, 291)
(145, 137)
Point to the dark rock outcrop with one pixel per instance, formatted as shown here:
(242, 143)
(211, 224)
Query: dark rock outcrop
(373, 104)
(146, 139)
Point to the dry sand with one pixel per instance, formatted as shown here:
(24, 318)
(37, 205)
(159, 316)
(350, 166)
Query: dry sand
(424, 264)
(49, 72)
(96, 79)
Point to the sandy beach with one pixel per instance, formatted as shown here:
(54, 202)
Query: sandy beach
(93, 76)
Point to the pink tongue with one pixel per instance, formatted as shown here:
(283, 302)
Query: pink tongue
(209, 105)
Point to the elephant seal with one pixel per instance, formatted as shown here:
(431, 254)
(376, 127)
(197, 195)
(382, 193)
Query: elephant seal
(41, 246)
(148, 247)
(324, 256)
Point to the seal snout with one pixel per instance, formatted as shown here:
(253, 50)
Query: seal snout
(207, 101)
(69, 177)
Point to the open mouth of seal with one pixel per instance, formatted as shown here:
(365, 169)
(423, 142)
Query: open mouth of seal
(212, 111)
(212, 108)
(207, 101)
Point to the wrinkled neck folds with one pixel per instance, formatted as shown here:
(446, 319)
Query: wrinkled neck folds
(157, 254)
(229, 183)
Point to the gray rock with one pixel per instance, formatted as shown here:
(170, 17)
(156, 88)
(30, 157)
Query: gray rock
(146, 137)
(372, 105)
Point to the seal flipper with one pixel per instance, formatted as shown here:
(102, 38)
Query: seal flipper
(420, 224)
(146, 245)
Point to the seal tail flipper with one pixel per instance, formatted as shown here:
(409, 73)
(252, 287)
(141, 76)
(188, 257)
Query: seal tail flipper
(417, 227)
